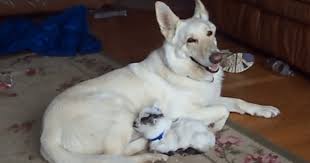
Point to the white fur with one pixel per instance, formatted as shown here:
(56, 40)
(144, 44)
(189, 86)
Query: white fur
(182, 133)
(92, 121)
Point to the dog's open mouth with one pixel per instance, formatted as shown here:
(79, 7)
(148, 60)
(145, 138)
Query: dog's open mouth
(214, 68)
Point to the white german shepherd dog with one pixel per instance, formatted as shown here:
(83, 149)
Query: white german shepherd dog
(92, 121)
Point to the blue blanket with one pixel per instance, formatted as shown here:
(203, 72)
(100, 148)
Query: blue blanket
(65, 34)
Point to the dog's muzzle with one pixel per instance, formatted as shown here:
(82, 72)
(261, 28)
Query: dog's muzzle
(214, 68)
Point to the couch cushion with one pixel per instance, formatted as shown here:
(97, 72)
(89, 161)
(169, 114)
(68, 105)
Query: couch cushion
(299, 10)
(295, 9)
(8, 7)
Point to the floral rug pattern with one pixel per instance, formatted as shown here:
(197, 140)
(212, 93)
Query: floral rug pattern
(29, 82)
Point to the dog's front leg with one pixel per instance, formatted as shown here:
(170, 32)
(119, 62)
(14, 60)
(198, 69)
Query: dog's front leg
(242, 107)
(214, 114)
(136, 146)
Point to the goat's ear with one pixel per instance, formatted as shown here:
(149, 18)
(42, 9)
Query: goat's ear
(166, 19)
(200, 11)
(157, 106)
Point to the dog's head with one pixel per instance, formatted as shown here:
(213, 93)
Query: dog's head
(192, 42)
(151, 122)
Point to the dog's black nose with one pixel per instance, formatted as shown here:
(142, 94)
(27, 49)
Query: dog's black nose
(216, 58)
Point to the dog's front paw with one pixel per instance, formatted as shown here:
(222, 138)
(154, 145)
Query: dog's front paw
(267, 112)
(150, 158)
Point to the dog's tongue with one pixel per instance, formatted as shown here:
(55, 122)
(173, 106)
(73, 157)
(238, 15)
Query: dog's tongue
(213, 67)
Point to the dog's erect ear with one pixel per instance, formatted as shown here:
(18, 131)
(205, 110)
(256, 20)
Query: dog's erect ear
(167, 20)
(200, 11)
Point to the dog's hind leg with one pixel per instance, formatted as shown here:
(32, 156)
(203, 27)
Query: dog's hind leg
(241, 106)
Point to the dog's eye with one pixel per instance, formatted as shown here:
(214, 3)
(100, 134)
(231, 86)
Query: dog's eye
(209, 33)
(192, 40)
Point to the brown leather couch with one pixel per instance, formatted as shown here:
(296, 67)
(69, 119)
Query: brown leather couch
(14, 7)
(278, 27)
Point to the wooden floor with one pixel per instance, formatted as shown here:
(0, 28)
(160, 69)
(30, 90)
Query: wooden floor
(131, 38)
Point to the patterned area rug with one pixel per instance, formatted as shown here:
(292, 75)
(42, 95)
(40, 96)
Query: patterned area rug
(29, 82)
